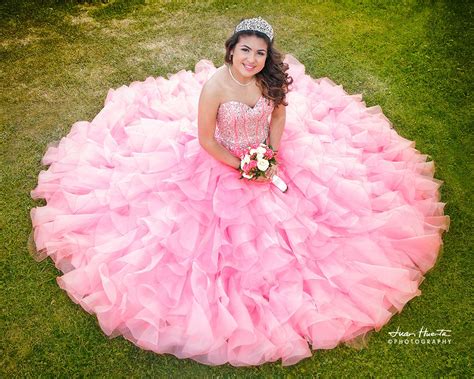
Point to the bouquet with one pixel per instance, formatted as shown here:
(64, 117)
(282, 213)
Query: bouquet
(257, 161)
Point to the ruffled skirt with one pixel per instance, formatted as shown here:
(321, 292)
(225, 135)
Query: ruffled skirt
(167, 247)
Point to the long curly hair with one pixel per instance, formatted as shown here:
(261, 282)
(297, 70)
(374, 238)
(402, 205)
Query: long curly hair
(273, 79)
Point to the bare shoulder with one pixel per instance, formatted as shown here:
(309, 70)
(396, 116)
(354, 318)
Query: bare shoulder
(279, 111)
(216, 82)
(212, 90)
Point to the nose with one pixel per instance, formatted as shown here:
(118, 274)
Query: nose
(252, 58)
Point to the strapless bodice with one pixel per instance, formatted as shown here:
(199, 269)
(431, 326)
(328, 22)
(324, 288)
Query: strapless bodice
(239, 125)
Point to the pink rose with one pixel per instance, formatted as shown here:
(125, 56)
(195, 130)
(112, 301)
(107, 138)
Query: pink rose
(252, 165)
(269, 154)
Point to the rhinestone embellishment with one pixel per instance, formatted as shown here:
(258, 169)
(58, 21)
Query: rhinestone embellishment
(258, 24)
(239, 126)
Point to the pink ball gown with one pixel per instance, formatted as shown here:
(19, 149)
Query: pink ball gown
(167, 247)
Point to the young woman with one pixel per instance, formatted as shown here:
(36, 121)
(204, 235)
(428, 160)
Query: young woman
(158, 236)
(254, 71)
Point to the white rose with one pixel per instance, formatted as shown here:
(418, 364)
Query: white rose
(260, 156)
(261, 150)
(252, 151)
(247, 176)
(262, 165)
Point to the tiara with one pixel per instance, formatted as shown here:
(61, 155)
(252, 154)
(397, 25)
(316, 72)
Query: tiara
(257, 24)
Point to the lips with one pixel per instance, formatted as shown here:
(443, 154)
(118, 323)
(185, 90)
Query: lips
(249, 68)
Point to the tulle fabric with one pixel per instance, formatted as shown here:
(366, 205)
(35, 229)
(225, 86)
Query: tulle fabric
(167, 247)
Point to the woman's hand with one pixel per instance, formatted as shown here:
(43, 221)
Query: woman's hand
(268, 174)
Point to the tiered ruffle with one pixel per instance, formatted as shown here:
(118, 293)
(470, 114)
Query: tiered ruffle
(171, 250)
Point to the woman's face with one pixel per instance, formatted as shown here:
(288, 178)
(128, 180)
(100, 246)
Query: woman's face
(249, 55)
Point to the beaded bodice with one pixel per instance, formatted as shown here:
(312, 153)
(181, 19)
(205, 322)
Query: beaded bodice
(240, 126)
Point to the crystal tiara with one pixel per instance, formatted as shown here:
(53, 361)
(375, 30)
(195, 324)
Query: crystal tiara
(258, 24)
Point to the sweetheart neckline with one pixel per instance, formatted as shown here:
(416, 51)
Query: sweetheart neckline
(240, 102)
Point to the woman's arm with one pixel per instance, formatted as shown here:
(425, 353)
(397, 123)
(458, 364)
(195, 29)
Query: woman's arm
(207, 113)
(277, 125)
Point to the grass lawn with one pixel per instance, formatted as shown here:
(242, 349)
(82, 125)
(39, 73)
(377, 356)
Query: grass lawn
(58, 60)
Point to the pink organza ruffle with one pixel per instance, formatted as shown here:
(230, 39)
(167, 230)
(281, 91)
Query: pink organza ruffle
(171, 250)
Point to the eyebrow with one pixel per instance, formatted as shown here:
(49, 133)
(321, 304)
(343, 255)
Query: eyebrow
(248, 47)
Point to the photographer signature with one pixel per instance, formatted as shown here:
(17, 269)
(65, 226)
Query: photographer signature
(423, 332)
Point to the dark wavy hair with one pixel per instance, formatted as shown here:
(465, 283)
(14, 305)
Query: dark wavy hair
(273, 79)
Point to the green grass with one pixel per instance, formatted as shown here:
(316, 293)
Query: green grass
(58, 60)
